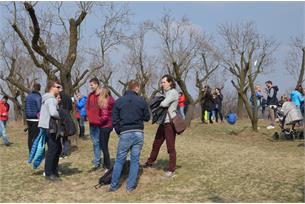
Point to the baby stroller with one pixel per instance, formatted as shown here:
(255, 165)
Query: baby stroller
(289, 115)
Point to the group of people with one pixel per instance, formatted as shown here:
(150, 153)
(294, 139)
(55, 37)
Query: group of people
(211, 105)
(268, 100)
(126, 116)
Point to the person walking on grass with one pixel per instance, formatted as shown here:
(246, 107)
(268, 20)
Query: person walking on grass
(106, 103)
(80, 104)
(272, 102)
(32, 109)
(165, 130)
(129, 114)
(4, 110)
(48, 121)
(93, 114)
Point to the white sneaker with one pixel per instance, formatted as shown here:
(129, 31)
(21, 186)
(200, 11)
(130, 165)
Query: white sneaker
(170, 174)
(270, 127)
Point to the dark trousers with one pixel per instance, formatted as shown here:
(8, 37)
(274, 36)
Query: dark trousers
(164, 132)
(33, 132)
(52, 155)
(218, 112)
(104, 138)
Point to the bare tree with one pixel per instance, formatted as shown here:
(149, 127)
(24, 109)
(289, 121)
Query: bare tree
(246, 55)
(111, 33)
(295, 61)
(39, 51)
(184, 47)
(143, 65)
(15, 67)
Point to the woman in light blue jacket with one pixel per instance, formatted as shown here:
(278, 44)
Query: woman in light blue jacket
(297, 96)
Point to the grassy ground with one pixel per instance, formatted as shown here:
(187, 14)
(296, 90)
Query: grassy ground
(216, 163)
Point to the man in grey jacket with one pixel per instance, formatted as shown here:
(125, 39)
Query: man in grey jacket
(47, 120)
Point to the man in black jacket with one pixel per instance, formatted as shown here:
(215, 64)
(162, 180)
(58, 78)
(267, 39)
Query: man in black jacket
(272, 101)
(129, 114)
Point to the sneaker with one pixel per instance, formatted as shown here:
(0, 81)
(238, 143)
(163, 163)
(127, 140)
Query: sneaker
(94, 168)
(52, 178)
(44, 174)
(170, 174)
(270, 127)
(106, 170)
(7, 144)
(112, 190)
(129, 190)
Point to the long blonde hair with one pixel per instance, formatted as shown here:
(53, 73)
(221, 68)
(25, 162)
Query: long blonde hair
(103, 97)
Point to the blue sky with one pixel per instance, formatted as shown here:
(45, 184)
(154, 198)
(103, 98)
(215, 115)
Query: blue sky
(281, 20)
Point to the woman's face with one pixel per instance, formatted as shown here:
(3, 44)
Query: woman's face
(165, 84)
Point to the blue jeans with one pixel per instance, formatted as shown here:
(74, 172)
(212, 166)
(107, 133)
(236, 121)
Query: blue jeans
(97, 146)
(3, 132)
(132, 141)
(181, 110)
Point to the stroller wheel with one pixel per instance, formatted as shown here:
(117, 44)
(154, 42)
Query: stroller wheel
(276, 136)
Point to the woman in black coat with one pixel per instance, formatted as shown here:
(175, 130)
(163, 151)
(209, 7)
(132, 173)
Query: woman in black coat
(207, 103)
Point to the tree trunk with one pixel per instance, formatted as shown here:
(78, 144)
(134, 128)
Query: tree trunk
(302, 71)
(240, 106)
(17, 110)
(189, 114)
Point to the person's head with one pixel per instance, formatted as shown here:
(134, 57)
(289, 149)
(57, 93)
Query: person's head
(217, 90)
(258, 88)
(284, 98)
(53, 87)
(167, 82)
(36, 87)
(134, 85)
(5, 98)
(268, 84)
(94, 84)
(104, 94)
(180, 93)
(77, 95)
(299, 88)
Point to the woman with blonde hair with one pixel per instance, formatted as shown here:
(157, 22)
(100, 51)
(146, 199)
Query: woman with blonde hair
(106, 103)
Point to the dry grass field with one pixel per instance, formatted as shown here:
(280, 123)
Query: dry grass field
(216, 163)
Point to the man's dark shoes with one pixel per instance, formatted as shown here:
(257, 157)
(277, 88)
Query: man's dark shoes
(52, 178)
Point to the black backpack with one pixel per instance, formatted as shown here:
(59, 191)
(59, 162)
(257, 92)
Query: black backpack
(106, 178)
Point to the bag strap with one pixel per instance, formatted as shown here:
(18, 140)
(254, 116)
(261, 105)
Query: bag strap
(170, 118)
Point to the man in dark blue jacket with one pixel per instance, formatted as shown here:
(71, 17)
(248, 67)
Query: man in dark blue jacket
(32, 109)
(129, 114)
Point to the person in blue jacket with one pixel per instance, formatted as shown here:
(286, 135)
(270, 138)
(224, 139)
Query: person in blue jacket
(297, 96)
(32, 110)
(81, 107)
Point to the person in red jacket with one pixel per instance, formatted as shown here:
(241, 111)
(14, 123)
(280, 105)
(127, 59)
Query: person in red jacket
(4, 109)
(106, 103)
(181, 104)
(93, 114)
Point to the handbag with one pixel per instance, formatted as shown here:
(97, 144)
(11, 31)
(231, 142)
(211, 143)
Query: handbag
(178, 123)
